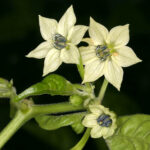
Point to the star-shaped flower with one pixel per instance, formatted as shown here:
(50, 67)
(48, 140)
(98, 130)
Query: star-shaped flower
(101, 120)
(107, 53)
(60, 43)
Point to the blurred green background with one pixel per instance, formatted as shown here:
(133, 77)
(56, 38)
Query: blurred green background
(19, 34)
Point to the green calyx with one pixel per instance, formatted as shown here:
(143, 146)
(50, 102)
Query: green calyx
(76, 100)
(6, 88)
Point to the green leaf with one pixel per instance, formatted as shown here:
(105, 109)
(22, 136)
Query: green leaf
(133, 133)
(51, 122)
(52, 84)
(78, 127)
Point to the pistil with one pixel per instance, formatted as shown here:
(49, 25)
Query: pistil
(104, 120)
(59, 41)
(102, 52)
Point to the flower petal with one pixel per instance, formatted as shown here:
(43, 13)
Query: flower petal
(109, 132)
(67, 21)
(76, 34)
(70, 55)
(119, 36)
(113, 73)
(88, 54)
(88, 40)
(40, 51)
(96, 109)
(97, 32)
(96, 132)
(48, 27)
(90, 120)
(52, 61)
(126, 57)
(93, 71)
(105, 132)
(111, 129)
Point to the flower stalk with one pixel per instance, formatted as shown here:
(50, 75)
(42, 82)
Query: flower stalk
(102, 91)
(83, 141)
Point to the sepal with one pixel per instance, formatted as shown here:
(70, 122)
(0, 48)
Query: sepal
(6, 88)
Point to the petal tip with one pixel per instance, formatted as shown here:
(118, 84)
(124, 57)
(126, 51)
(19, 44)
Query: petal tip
(40, 17)
(118, 87)
(28, 55)
(83, 82)
(127, 25)
(91, 19)
(140, 60)
(71, 8)
(44, 73)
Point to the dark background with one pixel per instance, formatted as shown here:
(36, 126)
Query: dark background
(19, 34)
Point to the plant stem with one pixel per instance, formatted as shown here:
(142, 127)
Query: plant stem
(54, 108)
(83, 141)
(102, 91)
(32, 111)
(12, 127)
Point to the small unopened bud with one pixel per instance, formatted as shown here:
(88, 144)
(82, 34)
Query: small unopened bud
(6, 88)
(25, 105)
(76, 100)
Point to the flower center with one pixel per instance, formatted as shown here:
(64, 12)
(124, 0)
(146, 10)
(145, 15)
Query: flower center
(102, 52)
(104, 120)
(59, 41)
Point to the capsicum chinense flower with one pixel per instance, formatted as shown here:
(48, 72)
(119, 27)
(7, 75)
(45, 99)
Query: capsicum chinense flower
(60, 42)
(101, 120)
(107, 53)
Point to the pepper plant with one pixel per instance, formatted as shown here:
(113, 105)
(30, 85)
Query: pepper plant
(107, 52)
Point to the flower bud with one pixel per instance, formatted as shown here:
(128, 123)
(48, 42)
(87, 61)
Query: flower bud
(76, 100)
(6, 88)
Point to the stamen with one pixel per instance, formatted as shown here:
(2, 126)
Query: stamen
(102, 52)
(59, 41)
(104, 120)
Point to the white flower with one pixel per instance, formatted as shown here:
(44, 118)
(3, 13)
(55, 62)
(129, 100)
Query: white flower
(107, 53)
(101, 120)
(60, 43)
